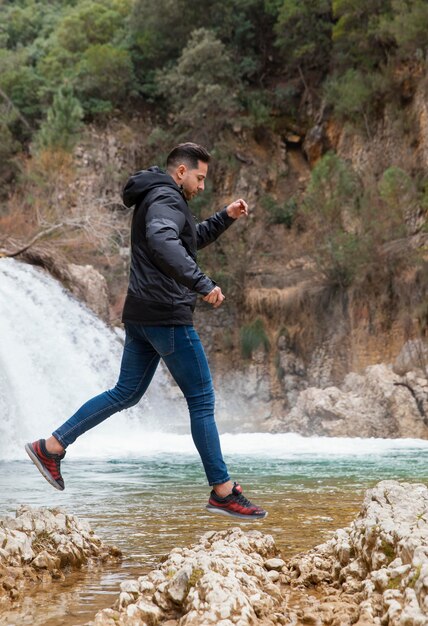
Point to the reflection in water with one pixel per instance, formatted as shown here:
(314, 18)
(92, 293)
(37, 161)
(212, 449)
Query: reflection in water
(147, 506)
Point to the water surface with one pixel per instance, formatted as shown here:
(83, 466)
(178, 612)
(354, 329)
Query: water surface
(149, 504)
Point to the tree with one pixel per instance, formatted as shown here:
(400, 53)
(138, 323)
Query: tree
(303, 33)
(104, 77)
(63, 121)
(201, 88)
(358, 39)
(331, 204)
(408, 26)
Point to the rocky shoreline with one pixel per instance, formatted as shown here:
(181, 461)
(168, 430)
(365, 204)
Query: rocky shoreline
(375, 572)
(39, 545)
(372, 573)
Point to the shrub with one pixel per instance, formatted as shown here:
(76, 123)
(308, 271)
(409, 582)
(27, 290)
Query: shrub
(303, 33)
(408, 27)
(340, 257)
(253, 336)
(333, 192)
(279, 213)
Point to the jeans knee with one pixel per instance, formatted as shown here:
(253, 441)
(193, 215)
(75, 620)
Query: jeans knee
(124, 399)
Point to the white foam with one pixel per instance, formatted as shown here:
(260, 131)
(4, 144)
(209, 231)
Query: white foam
(132, 442)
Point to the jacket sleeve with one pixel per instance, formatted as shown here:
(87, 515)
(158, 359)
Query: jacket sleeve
(164, 222)
(211, 228)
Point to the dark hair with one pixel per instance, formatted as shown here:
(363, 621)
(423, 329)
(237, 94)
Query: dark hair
(189, 153)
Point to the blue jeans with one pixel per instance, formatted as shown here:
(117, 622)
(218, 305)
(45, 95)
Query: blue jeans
(183, 354)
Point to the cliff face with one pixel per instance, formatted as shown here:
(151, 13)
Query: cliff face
(311, 334)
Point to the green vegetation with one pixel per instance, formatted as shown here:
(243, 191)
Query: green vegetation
(202, 74)
(388, 550)
(63, 121)
(253, 336)
(279, 213)
(414, 579)
(217, 65)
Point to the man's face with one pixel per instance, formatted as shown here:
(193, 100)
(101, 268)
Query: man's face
(193, 180)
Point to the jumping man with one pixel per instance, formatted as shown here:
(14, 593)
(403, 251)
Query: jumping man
(164, 283)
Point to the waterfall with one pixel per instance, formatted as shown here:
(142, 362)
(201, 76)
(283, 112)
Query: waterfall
(54, 355)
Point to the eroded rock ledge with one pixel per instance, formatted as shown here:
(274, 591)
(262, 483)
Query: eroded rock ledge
(39, 544)
(375, 572)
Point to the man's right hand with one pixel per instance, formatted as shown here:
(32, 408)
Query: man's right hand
(214, 297)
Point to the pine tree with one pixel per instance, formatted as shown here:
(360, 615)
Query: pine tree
(63, 121)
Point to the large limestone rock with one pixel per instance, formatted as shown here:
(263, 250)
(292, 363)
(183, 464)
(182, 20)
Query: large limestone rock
(89, 285)
(376, 571)
(377, 403)
(37, 544)
(222, 580)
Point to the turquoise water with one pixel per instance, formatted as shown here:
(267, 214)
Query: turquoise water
(149, 504)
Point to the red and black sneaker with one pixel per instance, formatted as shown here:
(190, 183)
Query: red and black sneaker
(235, 505)
(48, 464)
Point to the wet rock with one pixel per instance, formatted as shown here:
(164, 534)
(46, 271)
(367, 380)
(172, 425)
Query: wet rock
(89, 285)
(37, 543)
(386, 551)
(222, 580)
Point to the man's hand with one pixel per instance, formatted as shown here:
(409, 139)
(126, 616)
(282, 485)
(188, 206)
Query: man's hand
(214, 297)
(239, 208)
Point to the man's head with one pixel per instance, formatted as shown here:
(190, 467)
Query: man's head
(187, 163)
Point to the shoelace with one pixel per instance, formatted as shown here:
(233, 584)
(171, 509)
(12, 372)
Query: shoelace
(241, 499)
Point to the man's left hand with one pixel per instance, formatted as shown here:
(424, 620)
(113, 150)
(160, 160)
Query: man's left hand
(239, 208)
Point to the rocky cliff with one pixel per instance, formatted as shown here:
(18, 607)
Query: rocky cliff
(313, 333)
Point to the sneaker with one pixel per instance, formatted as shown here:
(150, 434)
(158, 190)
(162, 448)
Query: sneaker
(235, 505)
(48, 464)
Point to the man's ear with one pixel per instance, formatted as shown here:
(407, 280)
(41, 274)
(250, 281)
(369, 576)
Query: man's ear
(181, 170)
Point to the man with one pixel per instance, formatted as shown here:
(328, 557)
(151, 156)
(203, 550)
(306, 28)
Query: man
(164, 282)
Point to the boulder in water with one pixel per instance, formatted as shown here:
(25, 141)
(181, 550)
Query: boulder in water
(38, 543)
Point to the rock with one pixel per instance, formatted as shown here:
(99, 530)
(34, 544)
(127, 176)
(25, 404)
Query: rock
(413, 356)
(149, 612)
(274, 564)
(378, 403)
(89, 285)
(130, 586)
(179, 586)
(313, 145)
(373, 573)
(37, 543)
(222, 580)
(386, 551)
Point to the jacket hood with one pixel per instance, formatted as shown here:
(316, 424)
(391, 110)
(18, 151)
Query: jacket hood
(142, 182)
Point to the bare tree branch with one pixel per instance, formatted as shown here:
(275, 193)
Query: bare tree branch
(39, 235)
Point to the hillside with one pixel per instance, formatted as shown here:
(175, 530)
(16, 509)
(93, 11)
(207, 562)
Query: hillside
(317, 116)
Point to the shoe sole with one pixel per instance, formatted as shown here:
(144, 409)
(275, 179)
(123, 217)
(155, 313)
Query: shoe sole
(33, 456)
(249, 518)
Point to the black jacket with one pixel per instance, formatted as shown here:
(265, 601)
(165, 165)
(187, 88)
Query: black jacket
(164, 275)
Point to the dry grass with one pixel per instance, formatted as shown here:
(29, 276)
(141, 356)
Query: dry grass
(281, 304)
